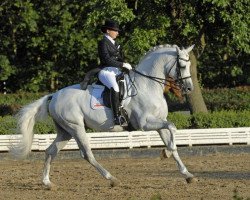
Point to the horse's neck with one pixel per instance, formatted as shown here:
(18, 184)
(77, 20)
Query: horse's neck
(157, 64)
(151, 68)
(154, 67)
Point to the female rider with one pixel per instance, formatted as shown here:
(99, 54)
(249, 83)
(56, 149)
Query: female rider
(112, 61)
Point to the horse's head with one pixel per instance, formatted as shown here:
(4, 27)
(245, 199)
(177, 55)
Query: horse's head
(183, 74)
(159, 61)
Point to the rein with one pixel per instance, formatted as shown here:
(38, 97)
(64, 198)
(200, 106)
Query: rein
(157, 79)
(164, 81)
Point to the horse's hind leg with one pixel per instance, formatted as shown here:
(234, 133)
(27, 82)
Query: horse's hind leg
(83, 143)
(61, 140)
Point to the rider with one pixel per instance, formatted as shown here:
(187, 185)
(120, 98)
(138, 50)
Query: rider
(112, 61)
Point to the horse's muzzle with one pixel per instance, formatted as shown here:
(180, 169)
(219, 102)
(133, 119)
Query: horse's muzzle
(187, 88)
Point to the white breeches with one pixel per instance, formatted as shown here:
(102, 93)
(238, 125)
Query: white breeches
(108, 77)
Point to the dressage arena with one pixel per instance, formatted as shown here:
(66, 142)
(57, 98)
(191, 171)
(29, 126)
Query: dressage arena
(219, 175)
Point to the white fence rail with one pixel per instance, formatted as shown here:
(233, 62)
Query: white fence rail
(112, 140)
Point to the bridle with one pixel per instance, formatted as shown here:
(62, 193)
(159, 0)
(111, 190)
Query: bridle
(164, 81)
(180, 79)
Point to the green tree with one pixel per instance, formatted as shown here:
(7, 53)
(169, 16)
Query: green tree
(227, 38)
(54, 42)
(159, 22)
(18, 23)
(5, 68)
(49, 44)
(220, 26)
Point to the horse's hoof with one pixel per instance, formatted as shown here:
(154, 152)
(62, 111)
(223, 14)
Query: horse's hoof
(114, 182)
(191, 180)
(165, 154)
(50, 186)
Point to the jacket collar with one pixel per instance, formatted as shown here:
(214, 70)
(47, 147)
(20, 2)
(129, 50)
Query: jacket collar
(110, 43)
(110, 38)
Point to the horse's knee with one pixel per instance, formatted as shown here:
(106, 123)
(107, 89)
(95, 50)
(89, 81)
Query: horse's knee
(168, 139)
(171, 126)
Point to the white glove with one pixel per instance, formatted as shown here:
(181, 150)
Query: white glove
(127, 66)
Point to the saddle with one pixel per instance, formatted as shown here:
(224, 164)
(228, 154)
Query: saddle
(91, 77)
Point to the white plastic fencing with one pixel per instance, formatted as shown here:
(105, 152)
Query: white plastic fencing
(112, 140)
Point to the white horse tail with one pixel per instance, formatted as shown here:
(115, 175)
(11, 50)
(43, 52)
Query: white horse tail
(26, 119)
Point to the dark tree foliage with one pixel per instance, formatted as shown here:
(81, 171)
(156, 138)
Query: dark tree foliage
(46, 45)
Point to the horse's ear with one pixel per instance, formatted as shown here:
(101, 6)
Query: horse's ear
(190, 48)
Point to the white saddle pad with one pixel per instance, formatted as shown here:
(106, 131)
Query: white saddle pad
(96, 101)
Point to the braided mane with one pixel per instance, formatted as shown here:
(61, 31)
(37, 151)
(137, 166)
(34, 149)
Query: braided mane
(155, 48)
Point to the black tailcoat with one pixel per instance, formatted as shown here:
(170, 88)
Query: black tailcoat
(110, 54)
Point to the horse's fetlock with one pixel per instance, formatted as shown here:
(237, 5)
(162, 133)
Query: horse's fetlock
(109, 176)
(46, 182)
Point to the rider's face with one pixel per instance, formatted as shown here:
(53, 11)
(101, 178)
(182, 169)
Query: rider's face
(112, 33)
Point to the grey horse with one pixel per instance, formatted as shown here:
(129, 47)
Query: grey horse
(146, 108)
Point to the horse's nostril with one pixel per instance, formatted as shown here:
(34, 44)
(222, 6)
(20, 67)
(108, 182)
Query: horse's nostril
(187, 90)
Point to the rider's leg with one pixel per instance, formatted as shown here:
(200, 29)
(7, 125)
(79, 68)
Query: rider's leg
(108, 78)
(114, 99)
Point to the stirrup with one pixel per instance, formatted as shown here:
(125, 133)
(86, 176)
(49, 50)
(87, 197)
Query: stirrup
(121, 121)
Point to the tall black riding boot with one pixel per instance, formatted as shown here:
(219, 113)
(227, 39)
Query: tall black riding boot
(114, 99)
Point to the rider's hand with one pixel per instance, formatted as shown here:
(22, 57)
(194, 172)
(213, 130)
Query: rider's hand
(127, 66)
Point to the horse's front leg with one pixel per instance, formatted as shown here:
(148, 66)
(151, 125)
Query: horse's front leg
(167, 131)
(167, 137)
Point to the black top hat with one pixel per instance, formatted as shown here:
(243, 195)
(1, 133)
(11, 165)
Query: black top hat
(110, 24)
